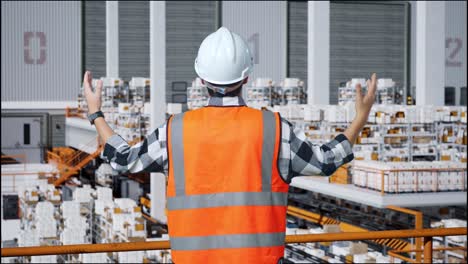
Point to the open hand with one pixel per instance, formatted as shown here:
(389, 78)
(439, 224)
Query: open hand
(364, 102)
(92, 98)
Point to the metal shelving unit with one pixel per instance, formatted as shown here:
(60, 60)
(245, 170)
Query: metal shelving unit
(423, 143)
(394, 141)
(385, 95)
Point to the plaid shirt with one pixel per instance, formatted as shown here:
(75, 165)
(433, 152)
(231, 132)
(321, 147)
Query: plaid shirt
(297, 157)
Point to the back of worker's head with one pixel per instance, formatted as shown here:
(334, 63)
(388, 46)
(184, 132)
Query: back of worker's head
(224, 62)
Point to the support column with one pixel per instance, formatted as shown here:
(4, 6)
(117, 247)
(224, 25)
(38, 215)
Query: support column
(112, 39)
(318, 53)
(427, 249)
(430, 52)
(158, 98)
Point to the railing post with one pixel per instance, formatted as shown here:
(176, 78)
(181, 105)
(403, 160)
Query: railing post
(445, 252)
(419, 225)
(427, 249)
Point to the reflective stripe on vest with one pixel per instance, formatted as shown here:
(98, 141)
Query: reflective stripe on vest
(187, 202)
(227, 241)
(226, 199)
(177, 131)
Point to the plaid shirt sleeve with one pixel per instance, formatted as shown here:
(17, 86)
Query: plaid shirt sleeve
(149, 155)
(300, 157)
(297, 157)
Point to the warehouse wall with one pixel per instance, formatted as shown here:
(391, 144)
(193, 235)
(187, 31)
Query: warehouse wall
(263, 24)
(41, 58)
(455, 43)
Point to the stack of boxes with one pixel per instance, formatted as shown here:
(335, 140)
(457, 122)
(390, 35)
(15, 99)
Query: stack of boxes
(341, 175)
(75, 225)
(71, 222)
(51, 194)
(127, 219)
(387, 92)
(335, 114)
(103, 210)
(139, 96)
(112, 95)
(44, 259)
(45, 220)
(94, 258)
(406, 177)
(104, 174)
(128, 121)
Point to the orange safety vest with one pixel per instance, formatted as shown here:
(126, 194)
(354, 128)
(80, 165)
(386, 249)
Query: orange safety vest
(226, 200)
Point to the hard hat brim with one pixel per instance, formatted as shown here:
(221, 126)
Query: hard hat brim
(244, 75)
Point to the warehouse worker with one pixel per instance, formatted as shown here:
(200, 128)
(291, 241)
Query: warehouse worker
(229, 166)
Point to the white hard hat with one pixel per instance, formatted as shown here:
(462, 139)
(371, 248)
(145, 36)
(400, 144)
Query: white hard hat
(223, 58)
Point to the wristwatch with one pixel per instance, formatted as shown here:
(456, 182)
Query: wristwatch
(95, 115)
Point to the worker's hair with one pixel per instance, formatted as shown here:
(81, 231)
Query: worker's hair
(236, 92)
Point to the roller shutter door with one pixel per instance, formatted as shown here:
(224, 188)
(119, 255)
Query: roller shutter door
(297, 40)
(134, 53)
(187, 24)
(94, 39)
(365, 38)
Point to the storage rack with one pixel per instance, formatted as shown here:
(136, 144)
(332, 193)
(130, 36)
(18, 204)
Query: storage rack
(197, 95)
(410, 177)
(314, 131)
(414, 142)
(451, 136)
(348, 94)
(112, 95)
(259, 93)
(385, 95)
(423, 142)
(139, 91)
(396, 142)
(368, 144)
(291, 91)
(130, 125)
(86, 210)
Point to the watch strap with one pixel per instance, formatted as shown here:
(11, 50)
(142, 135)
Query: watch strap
(95, 115)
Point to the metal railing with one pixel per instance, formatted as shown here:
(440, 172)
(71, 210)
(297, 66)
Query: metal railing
(74, 112)
(418, 221)
(426, 234)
